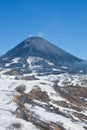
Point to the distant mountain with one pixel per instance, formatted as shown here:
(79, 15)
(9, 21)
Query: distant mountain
(35, 54)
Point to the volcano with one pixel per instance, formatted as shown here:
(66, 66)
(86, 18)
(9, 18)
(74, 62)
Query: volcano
(39, 55)
(42, 87)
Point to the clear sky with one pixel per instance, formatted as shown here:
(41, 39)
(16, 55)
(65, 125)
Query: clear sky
(63, 22)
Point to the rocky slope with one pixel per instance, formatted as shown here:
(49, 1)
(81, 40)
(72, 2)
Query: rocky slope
(54, 102)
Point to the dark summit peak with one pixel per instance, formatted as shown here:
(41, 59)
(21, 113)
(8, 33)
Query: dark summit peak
(33, 38)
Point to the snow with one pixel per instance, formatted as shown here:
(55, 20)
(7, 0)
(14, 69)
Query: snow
(7, 106)
(40, 102)
(8, 120)
(64, 67)
(8, 64)
(49, 63)
(68, 79)
(4, 71)
(48, 117)
(33, 59)
(15, 60)
(51, 92)
(56, 69)
(26, 45)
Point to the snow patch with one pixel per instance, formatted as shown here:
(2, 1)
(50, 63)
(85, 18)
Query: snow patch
(15, 60)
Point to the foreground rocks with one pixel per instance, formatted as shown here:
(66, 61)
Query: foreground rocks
(22, 112)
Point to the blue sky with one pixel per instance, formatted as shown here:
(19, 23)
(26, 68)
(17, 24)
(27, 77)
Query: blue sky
(63, 22)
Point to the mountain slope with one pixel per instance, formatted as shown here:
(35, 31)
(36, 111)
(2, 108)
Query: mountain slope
(54, 102)
(39, 47)
(36, 51)
(38, 91)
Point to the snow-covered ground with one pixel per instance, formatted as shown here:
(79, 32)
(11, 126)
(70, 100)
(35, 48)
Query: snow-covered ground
(9, 121)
